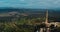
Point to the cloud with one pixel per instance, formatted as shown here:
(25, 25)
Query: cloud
(30, 3)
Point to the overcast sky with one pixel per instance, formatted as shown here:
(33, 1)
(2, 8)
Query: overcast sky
(49, 4)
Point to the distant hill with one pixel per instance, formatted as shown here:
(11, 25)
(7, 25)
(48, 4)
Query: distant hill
(30, 11)
(7, 12)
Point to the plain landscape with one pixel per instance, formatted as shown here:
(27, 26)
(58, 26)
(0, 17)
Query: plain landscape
(26, 20)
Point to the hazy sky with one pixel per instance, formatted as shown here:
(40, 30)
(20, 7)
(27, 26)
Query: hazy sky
(30, 3)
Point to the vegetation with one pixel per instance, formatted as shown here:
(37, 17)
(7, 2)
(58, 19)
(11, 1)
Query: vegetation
(23, 25)
(26, 20)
